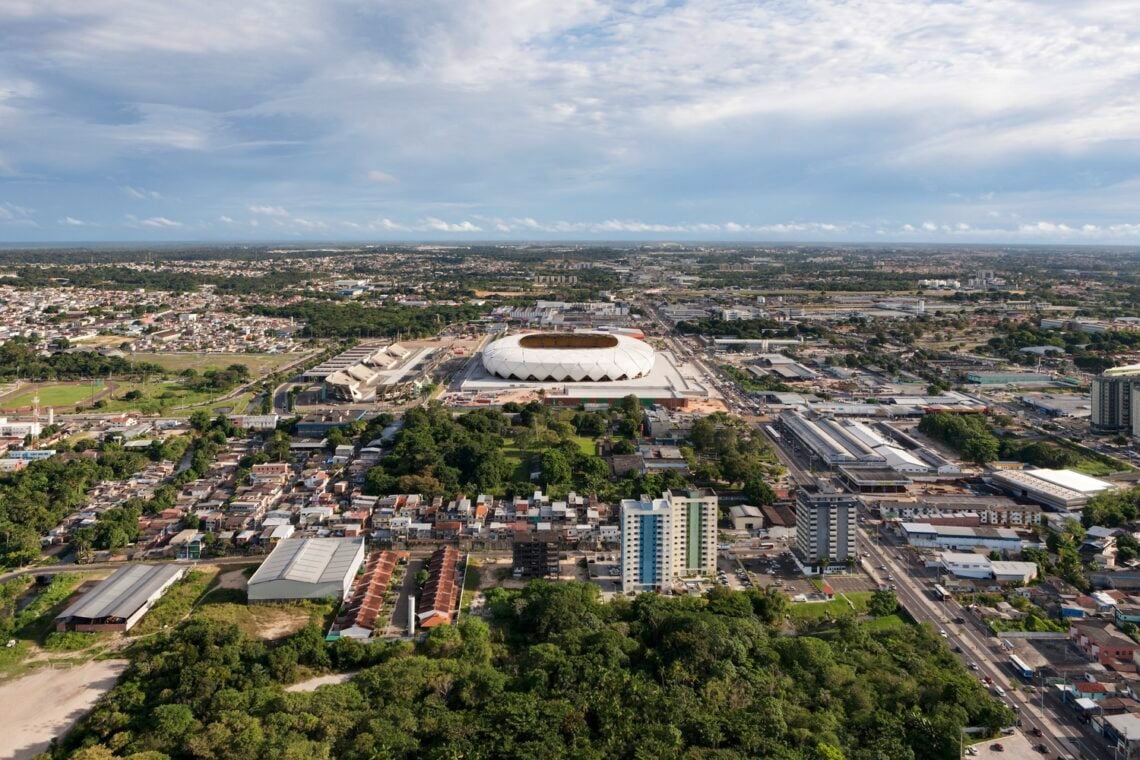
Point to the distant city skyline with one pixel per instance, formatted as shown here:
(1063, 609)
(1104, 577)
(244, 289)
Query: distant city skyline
(980, 121)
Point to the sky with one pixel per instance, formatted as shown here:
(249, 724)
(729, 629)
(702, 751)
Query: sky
(969, 121)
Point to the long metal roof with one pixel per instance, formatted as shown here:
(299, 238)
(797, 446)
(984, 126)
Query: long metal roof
(124, 592)
(309, 560)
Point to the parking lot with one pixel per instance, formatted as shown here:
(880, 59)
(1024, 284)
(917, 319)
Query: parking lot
(775, 568)
(1017, 746)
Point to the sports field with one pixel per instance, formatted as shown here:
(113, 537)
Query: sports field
(51, 394)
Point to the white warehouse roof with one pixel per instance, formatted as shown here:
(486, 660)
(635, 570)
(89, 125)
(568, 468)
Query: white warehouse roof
(1072, 480)
(308, 568)
(569, 357)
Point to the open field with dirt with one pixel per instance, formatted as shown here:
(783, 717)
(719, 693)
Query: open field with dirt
(48, 702)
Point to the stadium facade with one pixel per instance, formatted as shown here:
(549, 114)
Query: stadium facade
(569, 357)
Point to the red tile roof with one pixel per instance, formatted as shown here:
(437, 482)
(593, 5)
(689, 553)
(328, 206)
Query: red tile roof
(368, 594)
(440, 596)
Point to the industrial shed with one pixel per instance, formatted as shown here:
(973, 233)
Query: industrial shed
(307, 568)
(119, 602)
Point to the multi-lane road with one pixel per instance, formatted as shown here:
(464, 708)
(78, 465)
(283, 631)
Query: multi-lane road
(1060, 734)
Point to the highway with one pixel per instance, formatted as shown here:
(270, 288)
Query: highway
(1062, 737)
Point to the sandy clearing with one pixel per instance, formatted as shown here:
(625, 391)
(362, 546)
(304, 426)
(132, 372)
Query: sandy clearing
(281, 625)
(233, 579)
(48, 702)
(313, 683)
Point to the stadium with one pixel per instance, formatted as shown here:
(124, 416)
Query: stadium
(569, 357)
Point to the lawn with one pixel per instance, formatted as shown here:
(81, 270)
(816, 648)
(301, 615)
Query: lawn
(176, 362)
(471, 579)
(886, 623)
(51, 394)
(520, 460)
(586, 445)
(837, 607)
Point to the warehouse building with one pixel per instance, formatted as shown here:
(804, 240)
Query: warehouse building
(927, 536)
(119, 602)
(854, 443)
(1061, 489)
(307, 568)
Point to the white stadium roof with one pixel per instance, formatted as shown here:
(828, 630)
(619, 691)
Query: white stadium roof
(569, 357)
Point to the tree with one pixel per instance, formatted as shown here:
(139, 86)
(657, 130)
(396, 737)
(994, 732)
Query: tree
(759, 492)
(980, 450)
(702, 434)
(882, 603)
(199, 420)
(555, 468)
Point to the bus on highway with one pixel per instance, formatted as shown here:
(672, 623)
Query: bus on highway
(940, 593)
(1020, 667)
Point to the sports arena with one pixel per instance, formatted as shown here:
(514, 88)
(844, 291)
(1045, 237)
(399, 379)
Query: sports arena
(569, 357)
(586, 368)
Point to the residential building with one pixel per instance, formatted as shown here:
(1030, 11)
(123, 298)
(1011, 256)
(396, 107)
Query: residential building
(535, 554)
(1102, 641)
(825, 526)
(1112, 400)
(694, 518)
(646, 545)
(439, 602)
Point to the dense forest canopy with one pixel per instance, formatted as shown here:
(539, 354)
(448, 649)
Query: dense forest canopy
(556, 674)
(332, 319)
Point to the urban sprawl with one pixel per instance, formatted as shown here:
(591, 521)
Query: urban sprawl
(426, 475)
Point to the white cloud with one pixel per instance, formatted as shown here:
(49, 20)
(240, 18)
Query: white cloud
(160, 222)
(141, 194)
(225, 219)
(380, 177)
(438, 225)
(268, 211)
(71, 221)
(641, 116)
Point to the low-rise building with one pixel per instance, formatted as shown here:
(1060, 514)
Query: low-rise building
(307, 568)
(1102, 641)
(120, 601)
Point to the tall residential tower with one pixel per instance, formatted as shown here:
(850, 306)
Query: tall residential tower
(668, 539)
(825, 526)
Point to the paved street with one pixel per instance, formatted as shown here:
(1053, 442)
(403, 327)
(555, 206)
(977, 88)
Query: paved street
(1062, 735)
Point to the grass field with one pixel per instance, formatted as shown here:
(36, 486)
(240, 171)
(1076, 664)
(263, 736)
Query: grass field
(51, 394)
(585, 445)
(32, 630)
(886, 623)
(177, 602)
(471, 580)
(837, 607)
(176, 362)
(263, 621)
